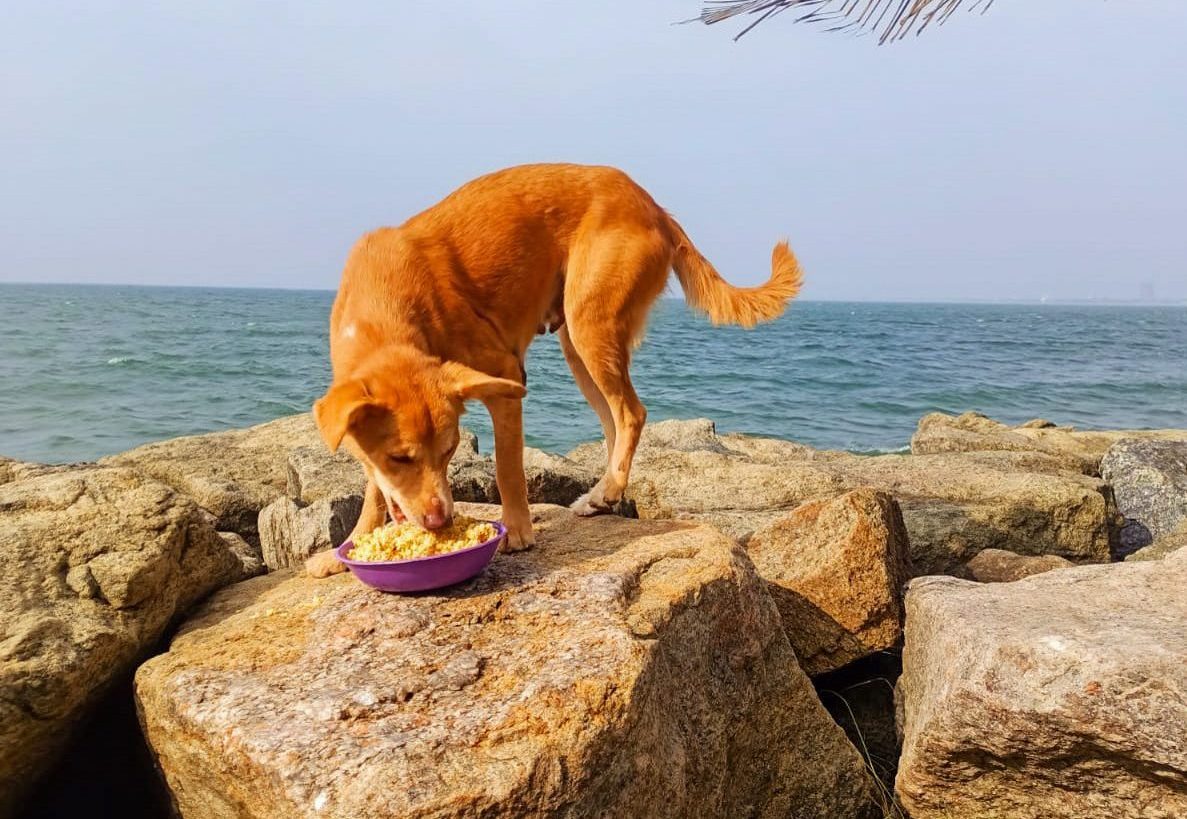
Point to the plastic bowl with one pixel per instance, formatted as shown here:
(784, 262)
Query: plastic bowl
(424, 573)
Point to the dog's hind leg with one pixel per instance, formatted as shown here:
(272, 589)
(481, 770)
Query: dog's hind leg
(588, 388)
(606, 304)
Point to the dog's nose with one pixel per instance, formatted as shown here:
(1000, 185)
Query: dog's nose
(435, 516)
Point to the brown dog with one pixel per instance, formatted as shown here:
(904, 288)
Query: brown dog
(442, 310)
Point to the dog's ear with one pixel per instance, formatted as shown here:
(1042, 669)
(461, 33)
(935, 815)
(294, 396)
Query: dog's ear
(335, 410)
(464, 383)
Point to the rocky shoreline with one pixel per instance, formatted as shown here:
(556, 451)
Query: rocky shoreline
(730, 651)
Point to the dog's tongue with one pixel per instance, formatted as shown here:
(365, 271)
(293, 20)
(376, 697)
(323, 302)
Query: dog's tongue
(395, 512)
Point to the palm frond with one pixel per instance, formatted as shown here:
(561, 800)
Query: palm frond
(892, 19)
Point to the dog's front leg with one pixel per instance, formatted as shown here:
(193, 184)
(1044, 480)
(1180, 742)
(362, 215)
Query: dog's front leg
(373, 515)
(506, 416)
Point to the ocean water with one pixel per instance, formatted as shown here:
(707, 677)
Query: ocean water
(86, 371)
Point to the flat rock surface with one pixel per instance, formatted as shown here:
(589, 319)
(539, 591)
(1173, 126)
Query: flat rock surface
(620, 668)
(1060, 695)
(1079, 450)
(954, 505)
(94, 564)
(836, 570)
(233, 474)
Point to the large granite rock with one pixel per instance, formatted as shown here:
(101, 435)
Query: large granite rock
(94, 565)
(290, 533)
(1078, 450)
(555, 479)
(1149, 480)
(836, 570)
(233, 474)
(957, 505)
(620, 668)
(1060, 695)
(683, 469)
(954, 505)
(315, 473)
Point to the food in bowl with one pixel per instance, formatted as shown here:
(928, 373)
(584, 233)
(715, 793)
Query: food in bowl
(407, 541)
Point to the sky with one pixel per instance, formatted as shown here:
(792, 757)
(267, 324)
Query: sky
(1038, 150)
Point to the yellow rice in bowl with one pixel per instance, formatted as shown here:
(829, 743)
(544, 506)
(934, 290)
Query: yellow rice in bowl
(404, 541)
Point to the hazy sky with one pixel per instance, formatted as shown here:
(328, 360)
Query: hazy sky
(1037, 150)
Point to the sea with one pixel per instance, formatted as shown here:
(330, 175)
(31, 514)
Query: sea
(87, 371)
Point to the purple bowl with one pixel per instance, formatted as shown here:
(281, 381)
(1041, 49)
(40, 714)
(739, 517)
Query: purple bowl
(424, 573)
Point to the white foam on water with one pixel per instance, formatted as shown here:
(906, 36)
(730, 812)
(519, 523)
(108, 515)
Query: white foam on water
(119, 359)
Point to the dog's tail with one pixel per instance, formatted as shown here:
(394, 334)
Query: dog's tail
(705, 290)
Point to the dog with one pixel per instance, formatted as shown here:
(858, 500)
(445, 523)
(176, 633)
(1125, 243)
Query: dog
(442, 309)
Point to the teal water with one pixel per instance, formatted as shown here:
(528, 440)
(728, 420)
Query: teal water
(86, 371)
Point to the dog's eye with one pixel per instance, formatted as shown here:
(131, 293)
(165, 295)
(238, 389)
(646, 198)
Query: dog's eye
(399, 459)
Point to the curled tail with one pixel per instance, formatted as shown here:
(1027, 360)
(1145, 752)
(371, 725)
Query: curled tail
(705, 290)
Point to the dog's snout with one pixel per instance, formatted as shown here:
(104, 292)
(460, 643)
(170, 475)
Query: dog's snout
(435, 517)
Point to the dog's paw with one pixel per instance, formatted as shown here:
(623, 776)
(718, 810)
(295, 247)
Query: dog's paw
(324, 564)
(591, 503)
(517, 541)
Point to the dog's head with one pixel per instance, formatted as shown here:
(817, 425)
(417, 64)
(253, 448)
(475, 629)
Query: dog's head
(400, 420)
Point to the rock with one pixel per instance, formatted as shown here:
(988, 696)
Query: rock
(14, 470)
(1078, 450)
(1000, 566)
(233, 474)
(954, 505)
(290, 532)
(1149, 480)
(1059, 695)
(471, 476)
(619, 668)
(315, 473)
(249, 556)
(836, 569)
(555, 479)
(1163, 547)
(95, 563)
(690, 471)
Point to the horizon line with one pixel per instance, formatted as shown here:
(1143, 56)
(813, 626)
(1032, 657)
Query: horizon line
(1048, 300)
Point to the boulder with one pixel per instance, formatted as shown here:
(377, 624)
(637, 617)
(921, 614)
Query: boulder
(290, 532)
(1059, 695)
(1078, 450)
(1000, 566)
(95, 563)
(315, 473)
(689, 471)
(619, 668)
(1163, 547)
(836, 569)
(957, 505)
(954, 505)
(554, 478)
(233, 474)
(472, 476)
(1149, 480)
(251, 560)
